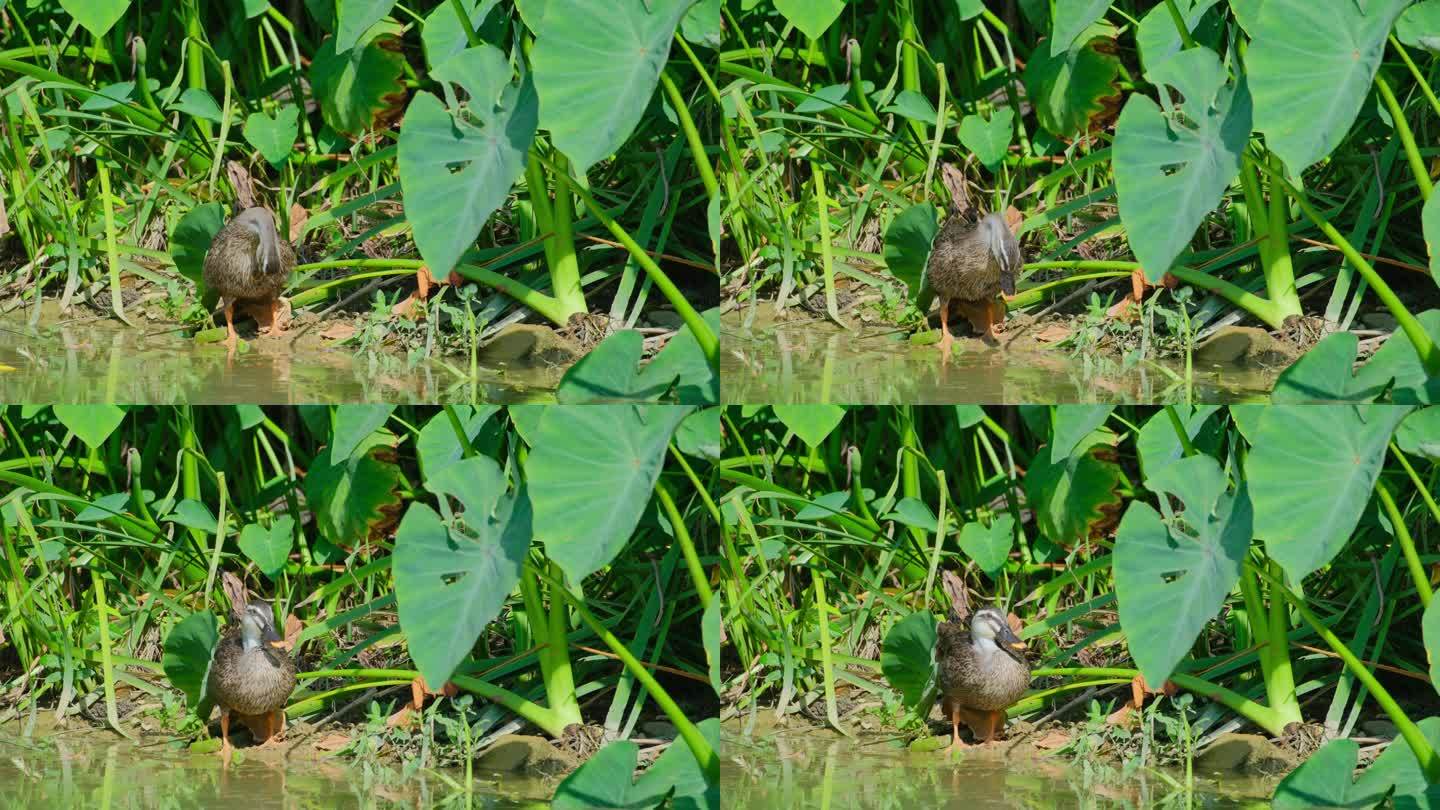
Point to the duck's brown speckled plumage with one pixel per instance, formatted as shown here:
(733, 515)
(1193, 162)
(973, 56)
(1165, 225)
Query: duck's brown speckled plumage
(233, 265)
(964, 265)
(256, 681)
(976, 677)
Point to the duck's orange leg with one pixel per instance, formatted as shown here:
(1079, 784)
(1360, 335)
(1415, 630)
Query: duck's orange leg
(955, 743)
(980, 315)
(997, 316)
(231, 336)
(274, 727)
(226, 750)
(945, 340)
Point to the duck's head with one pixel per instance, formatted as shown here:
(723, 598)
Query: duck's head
(257, 626)
(261, 223)
(990, 629)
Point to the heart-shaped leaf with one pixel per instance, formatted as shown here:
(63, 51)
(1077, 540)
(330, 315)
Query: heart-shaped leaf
(457, 166)
(96, 16)
(812, 423)
(93, 424)
(812, 17)
(274, 136)
(1310, 67)
(596, 67)
(989, 546)
(989, 140)
(1311, 472)
(268, 548)
(452, 578)
(591, 472)
(1172, 167)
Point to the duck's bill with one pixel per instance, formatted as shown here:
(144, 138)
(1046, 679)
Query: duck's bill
(1018, 645)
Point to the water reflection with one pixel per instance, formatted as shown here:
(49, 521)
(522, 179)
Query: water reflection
(817, 362)
(805, 768)
(100, 361)
(96, 770)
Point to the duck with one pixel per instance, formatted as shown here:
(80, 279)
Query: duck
(982, 672)
(249, 264)
(970, 265)
(251, 674)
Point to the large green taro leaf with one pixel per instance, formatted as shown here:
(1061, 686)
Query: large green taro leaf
(354, 425)
(1311, 471)
(1075, 424)
(1072, 496)
(596, 67)
(1158, 39)
(1310, 67)
(438, 445)
(1172, 576)
(605, 780)
(1325, 372)
(612, 371)
(1325, 779)
(442, 35)
(1172, 166)
(1072, 17)
(1419, 27)
(452, 577)
(812, 17)
(591, 471)
(1070, 89)
(355, 18)
(188, 650)
(457, 166)
(95, 16)
(361, 88)
(355, 498)
(907, 657)
(1159, 445)
(907, 244)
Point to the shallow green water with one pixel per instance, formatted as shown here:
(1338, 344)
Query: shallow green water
(818, 362)
(98, 360)
(99, 771)
(805, 768)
